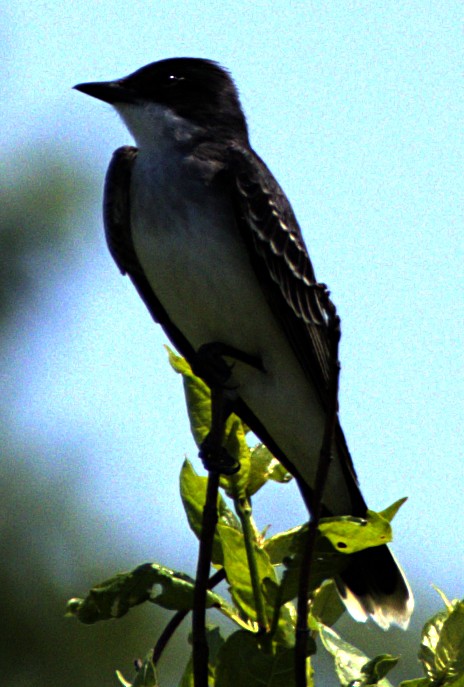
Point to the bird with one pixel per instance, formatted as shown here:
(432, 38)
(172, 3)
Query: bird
(211, 243)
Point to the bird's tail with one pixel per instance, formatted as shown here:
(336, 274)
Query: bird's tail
(373, 585)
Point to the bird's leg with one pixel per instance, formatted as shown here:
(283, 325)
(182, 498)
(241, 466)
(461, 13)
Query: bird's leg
(216, 372)
(214, 456)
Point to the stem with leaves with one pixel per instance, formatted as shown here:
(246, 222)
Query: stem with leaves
(243, 508)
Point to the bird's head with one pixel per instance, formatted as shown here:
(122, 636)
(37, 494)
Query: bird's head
(196, 91)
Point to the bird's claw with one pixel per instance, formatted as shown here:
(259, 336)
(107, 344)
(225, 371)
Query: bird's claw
(217, 458)
(214, 370)
(211, 366)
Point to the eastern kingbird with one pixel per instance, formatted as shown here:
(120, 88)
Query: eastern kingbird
(211, 243)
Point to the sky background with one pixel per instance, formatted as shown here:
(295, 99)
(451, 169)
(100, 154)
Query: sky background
(357, 108)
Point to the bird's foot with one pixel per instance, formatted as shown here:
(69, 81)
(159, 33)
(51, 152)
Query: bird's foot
(216, 372)
(209, 364)
(216, 458)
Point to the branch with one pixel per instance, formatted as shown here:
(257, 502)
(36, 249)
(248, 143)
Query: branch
(176, 620)
(244, 512)
(208, 528)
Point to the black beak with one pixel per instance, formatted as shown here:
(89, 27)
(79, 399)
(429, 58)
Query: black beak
(109, 91)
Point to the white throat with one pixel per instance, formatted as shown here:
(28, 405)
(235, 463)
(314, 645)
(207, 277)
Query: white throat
(156, 126)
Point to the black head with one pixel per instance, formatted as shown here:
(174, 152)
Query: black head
(195, 89)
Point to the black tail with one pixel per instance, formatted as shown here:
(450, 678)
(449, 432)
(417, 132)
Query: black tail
(374, 586)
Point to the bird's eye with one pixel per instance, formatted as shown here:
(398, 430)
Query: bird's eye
(173, 80)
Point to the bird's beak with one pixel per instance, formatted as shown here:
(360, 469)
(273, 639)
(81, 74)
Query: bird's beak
(109, 91)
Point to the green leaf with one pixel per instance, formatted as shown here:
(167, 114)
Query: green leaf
(242, 661)
(284, 544)
(238, 573)
(284, 629)
(449, 604)
(193, 494)
(285, 548)
(352, 666)
(348, 534)
(376, 669)
(442, 646)
(263, 468)
(187, 675)
(236, 446)
(144, 677)
(149, 582)
(215, 642)
(390, 512)
(255, 468)
(122, 680)
(198, 399)
(197, 395)
(429, 640)
(326, 605)
(277, 473)
(450, 647)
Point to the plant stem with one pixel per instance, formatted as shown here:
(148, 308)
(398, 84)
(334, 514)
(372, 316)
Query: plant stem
(208, 527)
(276, 614)
(199, 642)
(243, 508)
(176, 620)
(166, 635)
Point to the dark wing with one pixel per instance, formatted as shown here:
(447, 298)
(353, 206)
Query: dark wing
(282, 264)
(280, 258)
(116, 218)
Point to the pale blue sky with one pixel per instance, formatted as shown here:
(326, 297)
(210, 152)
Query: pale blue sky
(357, 107)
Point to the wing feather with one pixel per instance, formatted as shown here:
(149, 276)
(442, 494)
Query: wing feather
(277, 250)
(281, 261)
